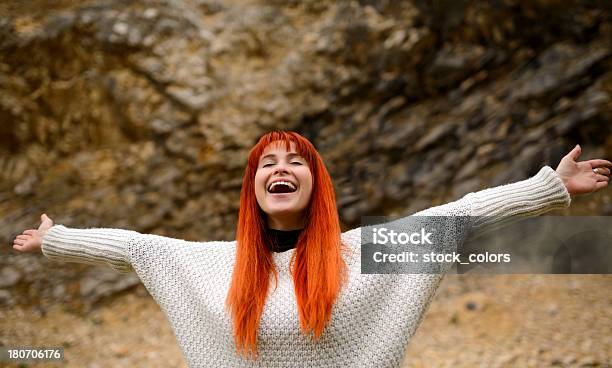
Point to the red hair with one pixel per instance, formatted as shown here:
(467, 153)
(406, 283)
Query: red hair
(317, 266)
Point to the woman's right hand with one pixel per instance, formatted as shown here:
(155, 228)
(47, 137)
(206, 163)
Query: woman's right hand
(31, 240)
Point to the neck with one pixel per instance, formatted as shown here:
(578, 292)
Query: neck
(287, 223)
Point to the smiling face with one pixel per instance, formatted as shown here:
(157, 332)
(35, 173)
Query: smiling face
(283, 185)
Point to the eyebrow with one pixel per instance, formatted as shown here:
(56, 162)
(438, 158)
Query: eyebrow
(271, 155)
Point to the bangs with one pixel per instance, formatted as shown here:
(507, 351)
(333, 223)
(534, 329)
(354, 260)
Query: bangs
(278, 137)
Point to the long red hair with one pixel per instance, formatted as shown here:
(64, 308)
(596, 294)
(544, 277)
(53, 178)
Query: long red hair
(317, 266)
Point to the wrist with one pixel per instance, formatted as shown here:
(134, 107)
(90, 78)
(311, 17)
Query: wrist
(565, 181)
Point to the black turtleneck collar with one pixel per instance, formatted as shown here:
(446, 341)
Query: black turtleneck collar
(282, 240)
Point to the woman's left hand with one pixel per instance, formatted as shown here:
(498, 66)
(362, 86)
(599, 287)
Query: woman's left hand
(583, 177)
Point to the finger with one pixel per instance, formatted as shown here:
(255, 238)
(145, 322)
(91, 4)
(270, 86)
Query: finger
(600, 185)
(24, 237)
(575, 153)
(30, 232)
(19, 241)
(602, 170)
(599, 162)
(18, 247)
(601, 177)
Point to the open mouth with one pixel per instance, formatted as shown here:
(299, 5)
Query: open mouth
(281, 186)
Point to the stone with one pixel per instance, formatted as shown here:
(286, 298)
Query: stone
(9, 276)
(467, 186)
(193, 100)
(434, 135)
(100, 282)
(560, 67)
(5, 298)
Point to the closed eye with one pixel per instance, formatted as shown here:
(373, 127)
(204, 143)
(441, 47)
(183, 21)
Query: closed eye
(297, 162)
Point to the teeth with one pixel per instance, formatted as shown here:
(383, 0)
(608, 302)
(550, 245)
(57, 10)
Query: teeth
(289, 184)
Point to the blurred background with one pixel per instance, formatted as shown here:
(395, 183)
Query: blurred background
(140, 115)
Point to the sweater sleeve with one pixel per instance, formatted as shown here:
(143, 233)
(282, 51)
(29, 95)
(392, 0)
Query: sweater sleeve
(95, 246)
(496, 206)
(492, 208)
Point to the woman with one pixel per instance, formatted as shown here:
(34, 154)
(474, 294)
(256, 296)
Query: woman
(320, 310)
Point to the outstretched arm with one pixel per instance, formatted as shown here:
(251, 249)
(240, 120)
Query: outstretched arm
(547, 190)
(97, 246)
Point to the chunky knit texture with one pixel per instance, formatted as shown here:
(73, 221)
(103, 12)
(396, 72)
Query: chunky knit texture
(372, 321)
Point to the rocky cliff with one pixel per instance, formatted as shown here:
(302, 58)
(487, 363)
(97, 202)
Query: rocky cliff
(140, 115)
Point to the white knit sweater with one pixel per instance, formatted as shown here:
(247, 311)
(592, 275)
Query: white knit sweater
(372, 320)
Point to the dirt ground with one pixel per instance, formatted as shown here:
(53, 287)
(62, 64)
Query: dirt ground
(474, 321)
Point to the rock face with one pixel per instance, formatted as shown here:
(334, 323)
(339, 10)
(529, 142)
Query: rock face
(141, 115)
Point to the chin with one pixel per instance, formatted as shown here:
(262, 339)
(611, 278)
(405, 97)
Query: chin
(281, 210)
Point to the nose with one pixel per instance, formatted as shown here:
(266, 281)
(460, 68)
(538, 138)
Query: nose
(281, 168)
